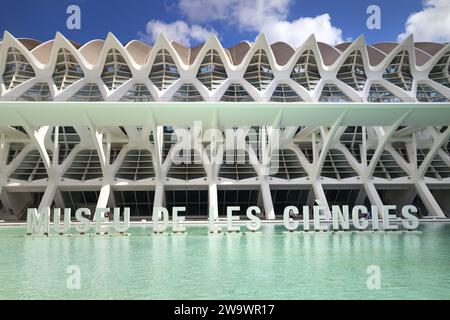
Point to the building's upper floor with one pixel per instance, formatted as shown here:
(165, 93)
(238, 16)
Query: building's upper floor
(106, 70)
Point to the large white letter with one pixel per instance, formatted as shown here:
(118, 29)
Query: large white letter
(176, 227)
(38, 222)
(255, 223)
(230, 219)
(411, 222)
(126, 219)
(81, 215)
(288, 222)
(340, 217)
(317, 218)
(165, 215)
(57, 220)
(359, 224)
(387, 217)
(99, 219)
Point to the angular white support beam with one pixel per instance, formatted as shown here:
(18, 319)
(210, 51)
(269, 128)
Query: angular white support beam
(374, 197)
(97, 138)
(328, 138)
(212, 199)
(437, 145)
(383, 140)
(159, 195)
(320, 196)
(49, 195)
(428, 200)
(267, 200)
(38, 138)
(103, 197)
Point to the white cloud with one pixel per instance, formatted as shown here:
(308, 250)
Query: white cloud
(268, 16)
(178, 31)
(295, 32)
(430, 24)
(246, 14)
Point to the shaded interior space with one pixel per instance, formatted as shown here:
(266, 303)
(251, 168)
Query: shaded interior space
(13, 151)
(139, 202)
(441, 195)
(285, 165)
(137, 165)
(67, 138)
(402, 196)
(285, 197)
(236, 166)
(336, 166)
(352, 139)
(80, 199)
(307, 148)
(188, 166)
(244, 198)
(195, 201)
(14, 205)
(31, 168)
(438, 168)
(85, 166)
(387, 167)
(351, 196)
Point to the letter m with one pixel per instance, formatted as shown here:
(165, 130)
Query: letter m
(38, 222)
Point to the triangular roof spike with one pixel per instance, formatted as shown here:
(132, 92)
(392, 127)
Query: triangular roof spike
(8, 36)
(9, 40)
(359, 42)
(111, 38)
(261, 39)
(310, 40)
(161, 39)
(434, 59)
(213, 40)
(408, 41)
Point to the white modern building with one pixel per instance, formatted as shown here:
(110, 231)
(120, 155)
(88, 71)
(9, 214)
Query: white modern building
(91, 125)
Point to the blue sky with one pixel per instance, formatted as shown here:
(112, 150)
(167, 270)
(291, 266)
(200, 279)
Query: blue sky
(233, 20)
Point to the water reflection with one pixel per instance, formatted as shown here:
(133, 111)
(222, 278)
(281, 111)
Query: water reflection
(265, 265)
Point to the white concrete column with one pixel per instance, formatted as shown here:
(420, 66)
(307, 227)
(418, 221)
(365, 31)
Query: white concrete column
(212, 199)
(104, 196)
(360, 197)
(373, 196)
(267, 200)
(159, 196)
(48, 197)
(6, 200)
(320, 195)
(59, 201)
(428, 200)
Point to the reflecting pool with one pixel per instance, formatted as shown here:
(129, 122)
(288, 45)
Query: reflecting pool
(270, 264)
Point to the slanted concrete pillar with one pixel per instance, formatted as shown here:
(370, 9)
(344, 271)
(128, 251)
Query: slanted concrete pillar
(159, 196)
(374, 197)
(103, 197)
(48, 197)
(320, 195)
(428, 200)
(212, 199)
(267, 200)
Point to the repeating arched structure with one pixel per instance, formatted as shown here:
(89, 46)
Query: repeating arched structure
(259, 68)
(138, 157)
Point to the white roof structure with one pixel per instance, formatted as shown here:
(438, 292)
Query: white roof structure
(91, 125)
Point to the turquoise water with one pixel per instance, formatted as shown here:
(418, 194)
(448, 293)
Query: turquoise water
(266, 265)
